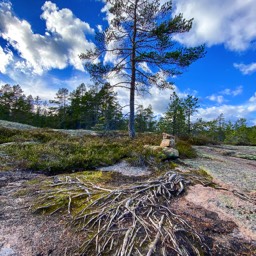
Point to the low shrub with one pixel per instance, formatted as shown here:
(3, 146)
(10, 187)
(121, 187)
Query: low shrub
(6, 135)
(55, 152)
(202, 140)
(185, 149)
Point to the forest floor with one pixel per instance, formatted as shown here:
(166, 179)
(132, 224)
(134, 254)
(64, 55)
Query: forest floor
(224, 215)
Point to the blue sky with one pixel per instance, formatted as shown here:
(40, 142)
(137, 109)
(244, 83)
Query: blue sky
(40, 42)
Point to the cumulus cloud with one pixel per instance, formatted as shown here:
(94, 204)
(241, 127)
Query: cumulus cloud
(45, 86)
(59, 47)
(219, 97)
(144, 66)
(230, 112)
(158, 99)
(234, 92)
(253, 98)
(6, 57)
(100, 28)
(246, 69)
(228, 22)
(216, 98)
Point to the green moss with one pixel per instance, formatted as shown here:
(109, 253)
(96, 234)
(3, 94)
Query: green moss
(22, 192)
(56, 196)
(94, 176)
(204, 173)
(33, 182)
(249, 157)
(200, 176)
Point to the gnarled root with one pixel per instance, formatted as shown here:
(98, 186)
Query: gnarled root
(134, 220)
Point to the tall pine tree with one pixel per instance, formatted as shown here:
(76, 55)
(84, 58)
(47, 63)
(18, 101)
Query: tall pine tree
(139, 43)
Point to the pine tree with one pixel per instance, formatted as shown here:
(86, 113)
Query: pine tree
(60, 106)
(190, 105)
(139, 39)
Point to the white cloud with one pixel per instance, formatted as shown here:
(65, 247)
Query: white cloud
(219, 98)
(6, 57)
(45, 86)
(231, 112)
(144, 66)
(246, 69)
(234, 92)
(253, 98)
(228, 22)
(100, 28)
(216, 98)
(158, 99)
(63, 41)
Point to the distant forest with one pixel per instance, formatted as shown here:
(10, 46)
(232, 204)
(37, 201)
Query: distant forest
(98, 109)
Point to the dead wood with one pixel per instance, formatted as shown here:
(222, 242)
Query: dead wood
(131, 220)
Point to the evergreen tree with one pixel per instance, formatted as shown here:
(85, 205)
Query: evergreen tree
(76, 106)
(61, 105)
(190, 106)
(110, 114)
(176, 115)
(144, 119)
(221, 127)
(5, 101)
(14, 105)
(139, 35)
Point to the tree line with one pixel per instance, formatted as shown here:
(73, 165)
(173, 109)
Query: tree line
(79, 109)
(97, 108)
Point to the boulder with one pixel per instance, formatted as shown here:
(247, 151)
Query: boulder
(163, 153)
(168, 140)
(165, 143)
(171, 153)
(166, 135)
(165, 150)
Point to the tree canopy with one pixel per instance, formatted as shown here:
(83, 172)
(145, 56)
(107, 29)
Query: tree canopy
(137, 50)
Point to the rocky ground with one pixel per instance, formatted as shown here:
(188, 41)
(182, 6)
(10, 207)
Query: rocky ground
(225, 216)
(225, 220)
(235, 172)
(23, 233)
(233, 165)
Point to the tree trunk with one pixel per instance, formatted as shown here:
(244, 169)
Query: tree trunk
(131, 127)
(132, 116)
(189, 123)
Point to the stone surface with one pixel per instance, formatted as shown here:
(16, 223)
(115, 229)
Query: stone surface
(7, 252)
(168, 140)
(126, 169)
(166, 135)
(171, 153)
(165, 143)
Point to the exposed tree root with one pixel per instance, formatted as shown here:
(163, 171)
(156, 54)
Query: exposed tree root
(134, 220)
